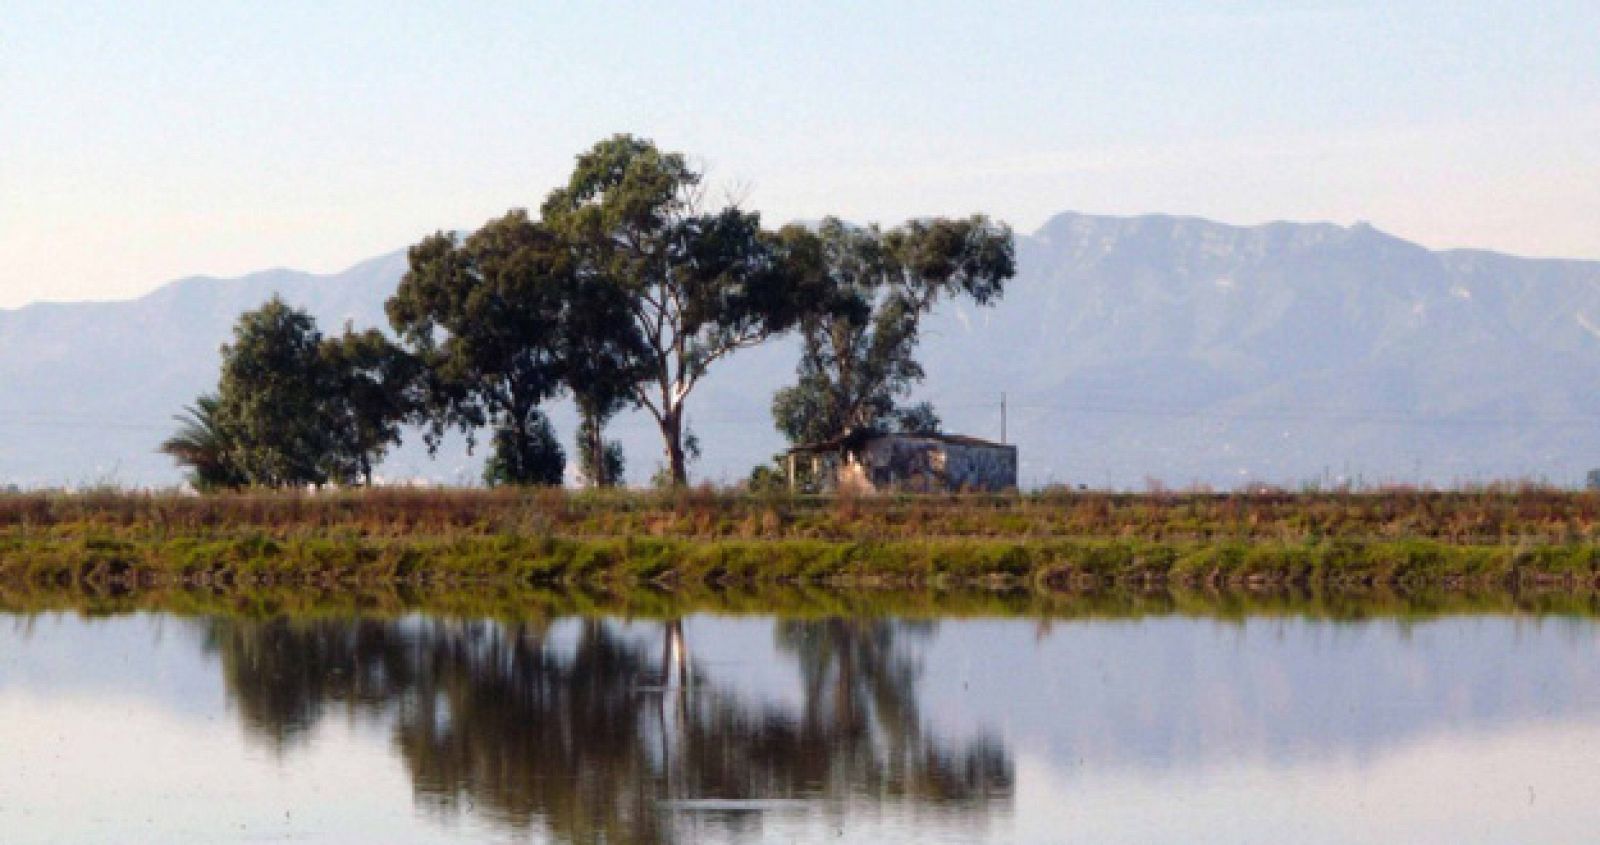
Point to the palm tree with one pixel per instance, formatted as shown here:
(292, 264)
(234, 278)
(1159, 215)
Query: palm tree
(202, 446)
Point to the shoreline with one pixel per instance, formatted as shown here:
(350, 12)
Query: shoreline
(508, 601)
(1059, 564)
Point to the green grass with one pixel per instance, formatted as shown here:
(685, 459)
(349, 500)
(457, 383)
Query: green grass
(1057, 541)
(514, 602)
(548, 560)
(1487, 516)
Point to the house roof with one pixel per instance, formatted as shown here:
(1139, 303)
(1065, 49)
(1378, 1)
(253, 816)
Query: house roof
(850, 439)
(859, 437)
(965, 440)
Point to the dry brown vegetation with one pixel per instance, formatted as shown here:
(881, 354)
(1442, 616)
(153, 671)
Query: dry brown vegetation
(1490, 516)
(1490, 536)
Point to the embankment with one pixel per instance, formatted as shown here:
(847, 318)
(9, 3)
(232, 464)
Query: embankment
(1483, 539)
(1043, 563)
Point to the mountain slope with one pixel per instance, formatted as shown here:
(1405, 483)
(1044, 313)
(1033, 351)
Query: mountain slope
(1187, 350)
(1130, 348)
(88, 389)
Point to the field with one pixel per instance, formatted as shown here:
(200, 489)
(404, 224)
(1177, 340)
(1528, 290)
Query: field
(1075, 541)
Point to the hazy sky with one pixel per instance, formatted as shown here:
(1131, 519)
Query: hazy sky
(143, 142)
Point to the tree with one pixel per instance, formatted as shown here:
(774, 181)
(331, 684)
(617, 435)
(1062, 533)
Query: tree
(603, 358)
(696, 285)
(523, 455)
(372, 388)
(484, 317)
(273, 398)
(600, 461)
(858, 348)
(295, 409)
(204, 447)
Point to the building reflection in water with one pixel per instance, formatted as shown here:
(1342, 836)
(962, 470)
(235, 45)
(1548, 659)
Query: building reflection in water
(602, 736)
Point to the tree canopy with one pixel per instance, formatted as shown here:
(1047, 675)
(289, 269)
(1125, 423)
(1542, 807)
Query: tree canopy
(273, 398)
(858, 346)
(484, 316)
(294, 408)
(603, 357)
(624, 291)
(372, 389)
(696, 283)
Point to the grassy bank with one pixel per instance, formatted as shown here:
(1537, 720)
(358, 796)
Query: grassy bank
(520, 603)
(1048, 563)
(1490, 537)
(1483, 516)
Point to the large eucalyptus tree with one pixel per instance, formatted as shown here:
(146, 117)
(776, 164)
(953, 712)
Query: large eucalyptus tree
(695, 283)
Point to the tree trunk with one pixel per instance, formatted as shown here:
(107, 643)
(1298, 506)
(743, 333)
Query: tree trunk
(597, 453)
(672, 433)
(594, 448)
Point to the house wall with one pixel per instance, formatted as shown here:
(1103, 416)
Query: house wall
(928, 465)
(840, 472)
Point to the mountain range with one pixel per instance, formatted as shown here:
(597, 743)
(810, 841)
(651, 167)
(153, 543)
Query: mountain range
(1130, 351)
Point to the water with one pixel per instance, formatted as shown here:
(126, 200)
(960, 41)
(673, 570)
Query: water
(151, 727)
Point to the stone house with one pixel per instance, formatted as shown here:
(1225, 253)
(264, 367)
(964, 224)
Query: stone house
(872, 461)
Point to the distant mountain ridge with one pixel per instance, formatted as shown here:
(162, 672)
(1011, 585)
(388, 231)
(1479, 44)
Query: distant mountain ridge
(1130, 348)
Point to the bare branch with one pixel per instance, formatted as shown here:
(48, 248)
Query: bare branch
(736, 192)
(643, 396)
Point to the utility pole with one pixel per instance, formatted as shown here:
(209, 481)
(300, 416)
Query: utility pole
(1002, 417)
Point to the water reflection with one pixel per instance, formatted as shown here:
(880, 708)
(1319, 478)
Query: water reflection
(866, 728)
(597, 732)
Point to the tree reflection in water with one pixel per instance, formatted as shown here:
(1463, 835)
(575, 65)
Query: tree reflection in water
(598, 737)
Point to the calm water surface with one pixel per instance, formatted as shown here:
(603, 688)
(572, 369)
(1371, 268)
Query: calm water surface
(164, 728)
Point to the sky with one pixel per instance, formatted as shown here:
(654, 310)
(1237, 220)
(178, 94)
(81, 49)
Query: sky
(145, 142)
